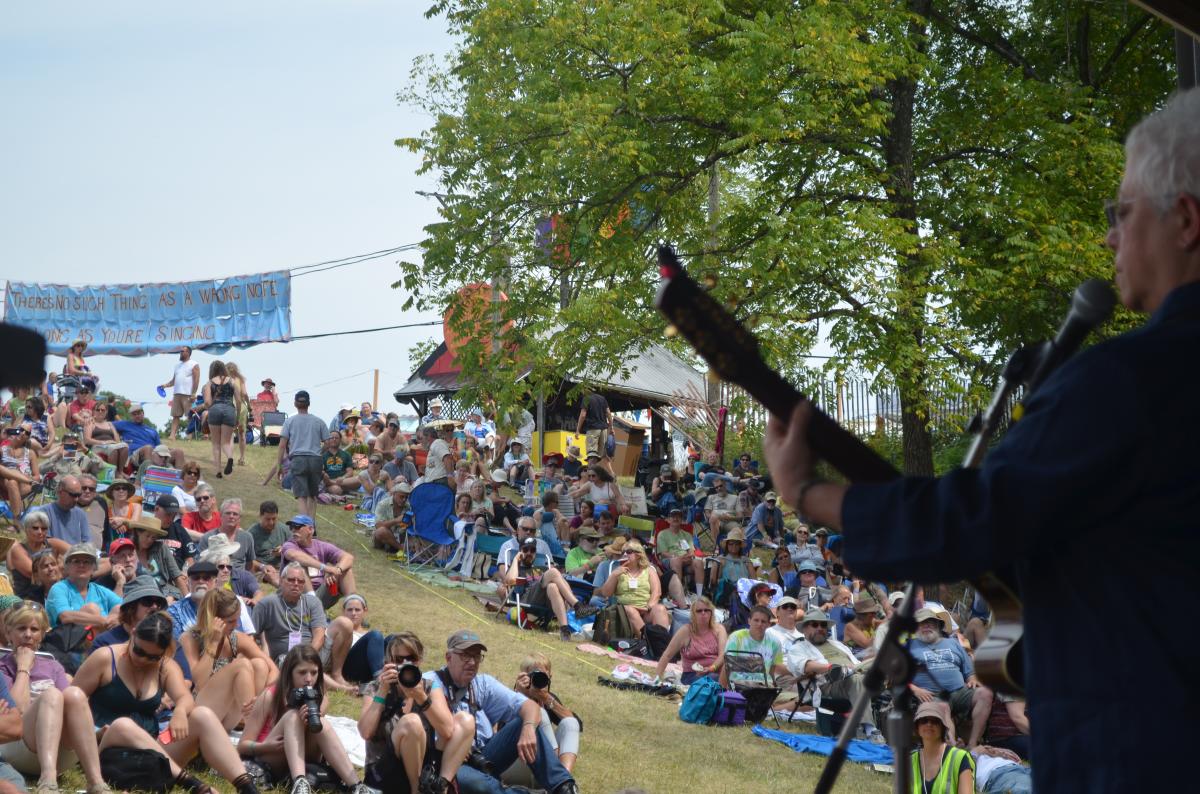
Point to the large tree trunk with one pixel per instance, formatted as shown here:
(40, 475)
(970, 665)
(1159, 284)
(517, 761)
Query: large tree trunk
(912, 278)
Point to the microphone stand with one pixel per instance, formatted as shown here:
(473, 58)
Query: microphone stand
(893, 663)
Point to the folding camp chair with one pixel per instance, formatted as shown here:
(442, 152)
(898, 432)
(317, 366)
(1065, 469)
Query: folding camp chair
(527, 615)
(430, 539)
(759, 696)
(158, 480)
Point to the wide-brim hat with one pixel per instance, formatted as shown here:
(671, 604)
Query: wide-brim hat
(616, 548)
(401, 487)
(143, 587)
(939, 710)
(588, 532)
(148, 524)
(268, 381)
(498, 475)
(82, 550)
(864, 602)
(814, 616)
(464, 640)
(121, 483)
(925, 613)
(736, 535)
(809, 566)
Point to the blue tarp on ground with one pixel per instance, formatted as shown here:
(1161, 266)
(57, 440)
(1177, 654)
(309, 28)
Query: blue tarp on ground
(858, 751)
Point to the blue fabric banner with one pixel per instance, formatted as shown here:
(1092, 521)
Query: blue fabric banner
(139, 319)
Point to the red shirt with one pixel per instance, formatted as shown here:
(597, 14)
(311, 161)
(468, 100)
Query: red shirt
(195, 523)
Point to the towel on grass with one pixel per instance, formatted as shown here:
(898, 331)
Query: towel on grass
(859, 751)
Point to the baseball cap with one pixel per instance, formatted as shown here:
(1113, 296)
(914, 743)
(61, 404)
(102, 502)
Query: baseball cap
(464, 640)
(302, 396)
(787, 600)
(530, 542)
(163, 451)
(202, 567)
(675, 511)
(301, 521)
(665, 469)
(118, 544)
(771, 497)
(593, 454)
(82, 550)
(400, 486)
(168, 502)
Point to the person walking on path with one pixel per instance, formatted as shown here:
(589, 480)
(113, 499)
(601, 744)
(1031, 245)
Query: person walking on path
(300, 443)
(184, 382)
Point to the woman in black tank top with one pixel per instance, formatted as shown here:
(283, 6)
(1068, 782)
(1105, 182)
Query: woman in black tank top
(125, 684)
(222, 397)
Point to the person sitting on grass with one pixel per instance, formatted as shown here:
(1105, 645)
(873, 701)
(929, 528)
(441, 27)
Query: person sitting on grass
(142, 597)
(637, 588)
(227, 668)
(393, 517)
(125, 685)
(754, 639)
(47, 572)
(269, 536)
(559, 723)
(545, 586)
(699, 643)
(293, 608)
(278, 727)
(491, 703)
(330, 568)
(944, 670)
(355, 655)
(406, 727)
(19, 559)
(58, 727)
(206, 517)
(77, 599)
(936, 764)
(337, 467)
(155, 558)
(734, 564)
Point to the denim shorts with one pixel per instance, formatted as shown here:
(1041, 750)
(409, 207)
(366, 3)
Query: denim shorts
(222, 415)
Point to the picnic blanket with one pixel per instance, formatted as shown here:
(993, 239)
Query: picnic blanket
(591, 647)
(859, 751)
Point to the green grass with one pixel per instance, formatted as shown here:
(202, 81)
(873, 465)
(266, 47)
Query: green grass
(629, 739)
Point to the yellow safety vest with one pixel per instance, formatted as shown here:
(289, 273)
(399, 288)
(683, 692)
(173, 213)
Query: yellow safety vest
(946, 781)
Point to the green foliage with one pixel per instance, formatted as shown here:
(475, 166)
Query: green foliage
(920, 182)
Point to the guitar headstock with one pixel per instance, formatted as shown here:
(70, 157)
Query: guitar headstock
(720, 339)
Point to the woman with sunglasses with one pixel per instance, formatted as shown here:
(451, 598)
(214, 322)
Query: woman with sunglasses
(784, 573)
(186, 490)
(228, 668)
(57, 723)
(154, 555)
(281, 740)
(700, 645)
(600, 489)
(16, 456)
(937, 765)
(637, 588)
(121, 508)
(20, 555)
(125, 685)
(403, 726)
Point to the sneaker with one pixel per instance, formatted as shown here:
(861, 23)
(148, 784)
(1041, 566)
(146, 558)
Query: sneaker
(362, 788)
(568, 787)
(301, 786)
(583, 610)
(565, 634)
(399, 556)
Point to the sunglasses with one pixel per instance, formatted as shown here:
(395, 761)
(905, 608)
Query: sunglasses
(789, 606)
(224, 567)
(203, 577)
(73, 494)
(203, 498)
(294, 581)
(88, 489)
(705, 610)
(928, 721)
(150, 657)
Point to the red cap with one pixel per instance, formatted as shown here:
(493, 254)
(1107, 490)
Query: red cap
(119, 544)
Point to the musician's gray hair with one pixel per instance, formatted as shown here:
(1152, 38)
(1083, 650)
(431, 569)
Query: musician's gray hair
(1163, 151)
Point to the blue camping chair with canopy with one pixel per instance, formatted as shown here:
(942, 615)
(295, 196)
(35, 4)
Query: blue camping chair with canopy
(430, 539)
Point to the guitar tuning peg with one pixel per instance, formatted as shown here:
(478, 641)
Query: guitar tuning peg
(670, 332)
(710, 281)
(711, 376)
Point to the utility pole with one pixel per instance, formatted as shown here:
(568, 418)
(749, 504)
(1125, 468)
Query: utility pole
(375, 393)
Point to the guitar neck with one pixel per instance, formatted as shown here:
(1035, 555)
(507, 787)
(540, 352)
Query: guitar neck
(732, 352)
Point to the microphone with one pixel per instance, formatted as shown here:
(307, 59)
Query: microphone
(1091, 305)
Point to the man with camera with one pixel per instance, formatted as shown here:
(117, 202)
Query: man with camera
(490, 703)
(664, 491)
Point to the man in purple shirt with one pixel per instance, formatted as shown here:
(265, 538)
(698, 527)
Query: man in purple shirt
(327, 565)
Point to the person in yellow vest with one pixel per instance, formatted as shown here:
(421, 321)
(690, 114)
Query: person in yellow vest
(938, 767)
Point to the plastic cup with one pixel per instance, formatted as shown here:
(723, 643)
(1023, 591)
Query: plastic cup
(161, 391)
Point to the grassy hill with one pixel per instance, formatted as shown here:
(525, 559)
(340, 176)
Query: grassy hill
(629, 740)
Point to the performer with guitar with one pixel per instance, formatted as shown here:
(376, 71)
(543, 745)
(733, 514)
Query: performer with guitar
(1108, 446)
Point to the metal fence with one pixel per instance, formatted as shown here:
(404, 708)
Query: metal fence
(863, 408)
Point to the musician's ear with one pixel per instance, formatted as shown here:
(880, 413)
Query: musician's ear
(1189, 212)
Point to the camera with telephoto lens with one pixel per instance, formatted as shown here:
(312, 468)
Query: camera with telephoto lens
(539, 680)
(310, 699)
(408, 674)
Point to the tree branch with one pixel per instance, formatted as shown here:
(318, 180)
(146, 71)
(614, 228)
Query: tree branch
(1119, 48)
(998, 45)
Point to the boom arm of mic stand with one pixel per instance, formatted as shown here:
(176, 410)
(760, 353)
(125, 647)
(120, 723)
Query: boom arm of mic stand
(1019, 364)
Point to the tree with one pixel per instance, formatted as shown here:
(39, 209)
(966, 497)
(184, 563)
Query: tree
(920, 181)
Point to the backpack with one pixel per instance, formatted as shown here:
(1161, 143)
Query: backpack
(657, 639)
(701, 702)
(611, 624)
(134, 768)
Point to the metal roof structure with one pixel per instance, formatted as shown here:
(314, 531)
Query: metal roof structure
(655, 376)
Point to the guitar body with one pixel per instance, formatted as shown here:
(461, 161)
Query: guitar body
(732, 352)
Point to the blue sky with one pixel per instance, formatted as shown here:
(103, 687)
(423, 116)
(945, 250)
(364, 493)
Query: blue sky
(148, 142)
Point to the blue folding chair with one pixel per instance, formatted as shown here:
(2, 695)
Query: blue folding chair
(430, 539)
